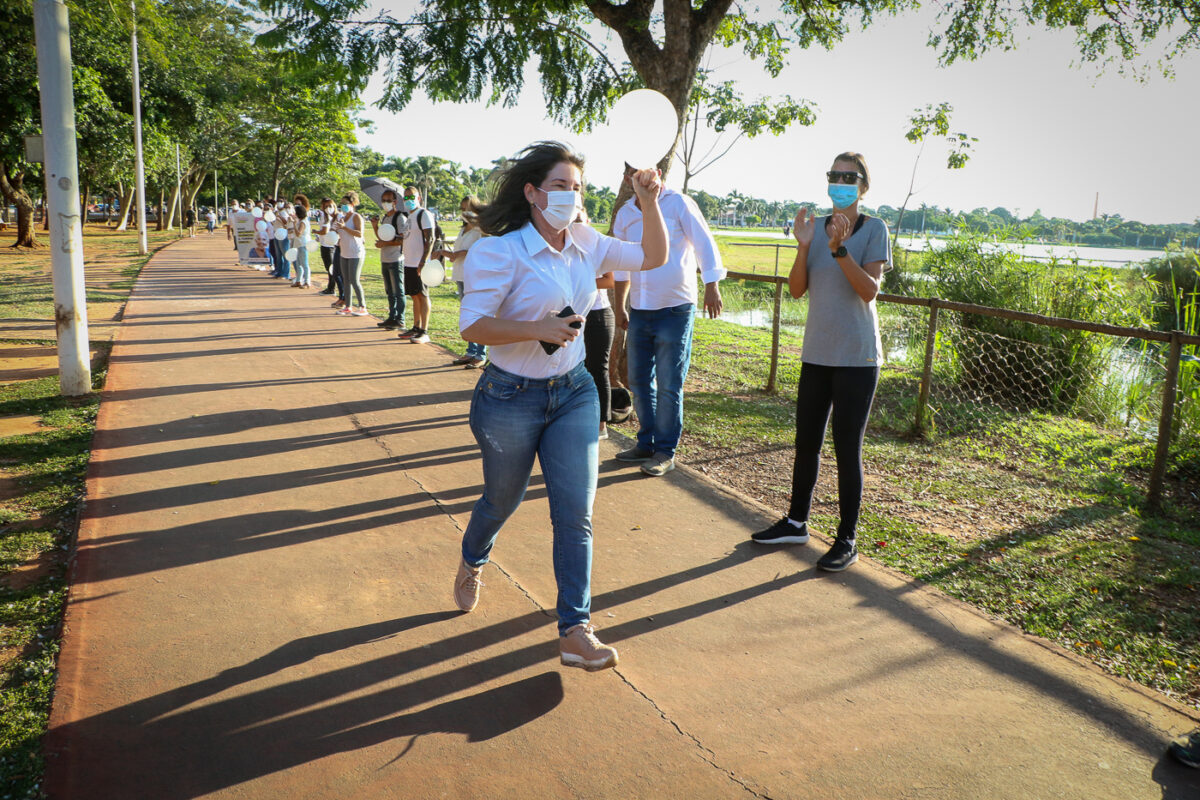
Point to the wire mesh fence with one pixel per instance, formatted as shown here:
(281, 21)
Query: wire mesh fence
(958, 369)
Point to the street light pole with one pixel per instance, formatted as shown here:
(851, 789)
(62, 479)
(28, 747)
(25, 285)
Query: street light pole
(53, 36)
(137, 137)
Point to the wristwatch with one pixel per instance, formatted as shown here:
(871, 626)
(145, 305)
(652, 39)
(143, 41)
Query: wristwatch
(841, 252)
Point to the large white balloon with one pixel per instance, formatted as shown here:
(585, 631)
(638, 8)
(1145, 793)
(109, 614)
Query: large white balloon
(269, 216)
(311, 245)
(644, 124)
(433, 273)
(281, 234)
(261, 225)
(256, 211)
(330, 239)
(291, 254)
(387, 232)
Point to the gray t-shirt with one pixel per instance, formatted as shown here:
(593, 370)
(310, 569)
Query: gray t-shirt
(842, 330)
(394, 254)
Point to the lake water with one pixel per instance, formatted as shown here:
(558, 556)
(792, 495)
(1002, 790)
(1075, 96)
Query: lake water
(1035, 251)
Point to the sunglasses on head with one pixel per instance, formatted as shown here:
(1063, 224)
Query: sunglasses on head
(838, 176)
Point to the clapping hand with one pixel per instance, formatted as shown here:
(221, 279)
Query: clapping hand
(803, 227)
(839, 230)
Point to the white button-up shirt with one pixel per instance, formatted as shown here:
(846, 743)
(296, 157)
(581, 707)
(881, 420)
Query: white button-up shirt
(519, 276)
(674, 283)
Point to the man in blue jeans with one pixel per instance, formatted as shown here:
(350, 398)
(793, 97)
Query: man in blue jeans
(659, 323)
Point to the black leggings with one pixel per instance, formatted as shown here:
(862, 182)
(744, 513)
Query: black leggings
(597, 342)
(848, 392)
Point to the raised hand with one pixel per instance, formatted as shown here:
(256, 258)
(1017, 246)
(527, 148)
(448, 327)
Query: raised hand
(647, 184)
(804, 226)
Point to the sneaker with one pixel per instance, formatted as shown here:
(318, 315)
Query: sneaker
(634, 453)
(408, 334)
(1186, 749)
(474, 363)
(388, 324)
(603, 432)
(327, 291)
(461, 360)
(580, 648)
(359, 311)
(337, 304)
(344, 311)
(843, 553)
(658, 465)
(420, 338)
(782, 532)
(466, 586)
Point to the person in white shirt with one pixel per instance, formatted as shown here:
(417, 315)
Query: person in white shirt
(469, 207)
(350, 235)
(524, 288)
(329, 252)
(418, 246)
(391, 259)
(659, 323)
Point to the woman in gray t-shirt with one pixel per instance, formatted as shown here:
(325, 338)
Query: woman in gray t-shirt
(839, 262)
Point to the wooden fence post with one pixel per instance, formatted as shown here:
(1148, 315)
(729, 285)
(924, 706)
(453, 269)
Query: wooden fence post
(775, 337)
(927, 371)
(1165, 419)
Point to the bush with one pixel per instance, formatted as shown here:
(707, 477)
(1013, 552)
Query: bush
(1020, 364)
(1176, 282)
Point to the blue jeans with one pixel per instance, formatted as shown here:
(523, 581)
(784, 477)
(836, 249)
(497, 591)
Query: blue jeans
(303, 275)
(476, 350)
(514, 419)
(393, 284)
(282, 268)
(659, 349)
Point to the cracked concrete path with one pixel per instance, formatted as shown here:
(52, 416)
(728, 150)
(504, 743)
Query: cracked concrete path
(261, 608)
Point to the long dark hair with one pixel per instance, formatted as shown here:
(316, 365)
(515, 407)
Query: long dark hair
(509, 210)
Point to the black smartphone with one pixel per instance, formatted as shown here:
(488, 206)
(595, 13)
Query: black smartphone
(566, 312)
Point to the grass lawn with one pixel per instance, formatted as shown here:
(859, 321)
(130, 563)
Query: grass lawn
(42, 474)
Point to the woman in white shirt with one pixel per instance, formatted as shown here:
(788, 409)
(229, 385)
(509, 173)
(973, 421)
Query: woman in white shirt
(524, 287)
(350, 234)
(469, 208)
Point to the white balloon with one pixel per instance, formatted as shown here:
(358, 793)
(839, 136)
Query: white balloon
(330, 240)
(291, 254)
(311, 245)
(387, 232)
(269, 216)
(433, 273)
(645, 125)
(256, 211)
(280, 234)
(261, 225)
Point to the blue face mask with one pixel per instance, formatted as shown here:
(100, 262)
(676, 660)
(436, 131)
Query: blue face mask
(842, 195)
(345, 208)
(410, 204)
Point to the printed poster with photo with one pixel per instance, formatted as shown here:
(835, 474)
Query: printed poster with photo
(252, 243)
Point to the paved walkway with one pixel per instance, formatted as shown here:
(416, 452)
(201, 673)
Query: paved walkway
(261, 608)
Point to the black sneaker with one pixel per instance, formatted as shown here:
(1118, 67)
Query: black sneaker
(408, 334)
(1186, 749)
(782, 532)
(843, 553)
(388, 324)
(634, 453)
(326, 291)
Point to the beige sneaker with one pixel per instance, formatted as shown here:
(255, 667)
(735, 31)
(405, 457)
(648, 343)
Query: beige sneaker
(581, 648)
(466, 586)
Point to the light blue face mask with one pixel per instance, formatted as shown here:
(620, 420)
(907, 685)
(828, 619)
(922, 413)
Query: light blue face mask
(410, 204)
(842, 195)
(345, 208)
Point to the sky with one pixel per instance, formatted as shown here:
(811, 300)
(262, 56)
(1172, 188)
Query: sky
(1052, 133)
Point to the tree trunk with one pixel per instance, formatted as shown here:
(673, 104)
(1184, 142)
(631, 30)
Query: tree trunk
(83, 206)
(175, 209)
(158, 223)
(127, 199)
(12, 188)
